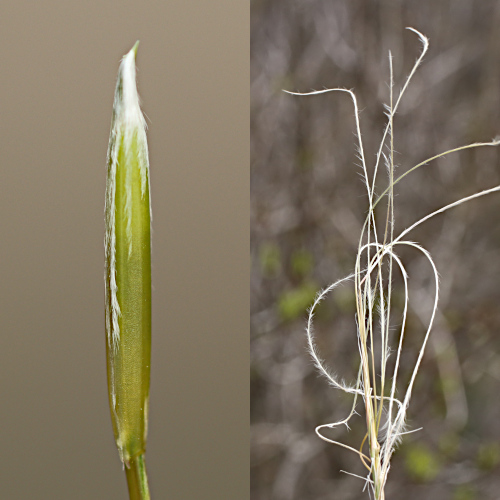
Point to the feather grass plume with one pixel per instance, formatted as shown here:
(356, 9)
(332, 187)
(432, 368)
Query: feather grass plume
(376, 262)
(128, 277)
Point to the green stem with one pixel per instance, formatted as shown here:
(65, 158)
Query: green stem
(137, 479)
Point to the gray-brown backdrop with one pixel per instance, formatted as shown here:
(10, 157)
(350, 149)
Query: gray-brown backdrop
(59, 61)
(307, 209)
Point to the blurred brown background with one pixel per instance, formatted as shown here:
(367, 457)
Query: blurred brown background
(308, 205)
(59, 62)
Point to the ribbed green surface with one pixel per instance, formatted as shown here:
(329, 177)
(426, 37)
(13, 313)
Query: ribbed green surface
(129, 364)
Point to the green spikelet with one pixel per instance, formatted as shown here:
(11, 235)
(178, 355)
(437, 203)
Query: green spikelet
(128, 276)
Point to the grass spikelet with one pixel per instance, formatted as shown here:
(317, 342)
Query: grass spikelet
(128, 277)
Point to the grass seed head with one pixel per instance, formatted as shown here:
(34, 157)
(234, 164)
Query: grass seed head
(128, 266)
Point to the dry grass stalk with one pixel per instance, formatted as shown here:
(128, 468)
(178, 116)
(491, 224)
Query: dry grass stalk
(376, 262)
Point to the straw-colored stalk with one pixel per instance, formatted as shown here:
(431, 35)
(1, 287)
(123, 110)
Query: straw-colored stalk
(128, 278)
(373, 275)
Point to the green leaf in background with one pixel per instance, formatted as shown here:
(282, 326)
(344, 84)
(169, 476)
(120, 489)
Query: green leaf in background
(270, 259)
(421, 463)
(294, 303)
(302, 262)
(488, 456)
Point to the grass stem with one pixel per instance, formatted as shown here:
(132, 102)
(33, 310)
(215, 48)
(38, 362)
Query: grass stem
(137, 479)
